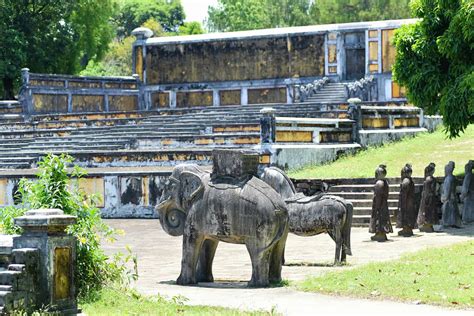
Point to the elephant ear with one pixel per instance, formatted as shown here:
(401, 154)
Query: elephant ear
(191, 186)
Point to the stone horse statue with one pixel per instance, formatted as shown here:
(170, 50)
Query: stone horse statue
(314, 215)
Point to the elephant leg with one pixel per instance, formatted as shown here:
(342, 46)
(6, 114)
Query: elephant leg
(276, 260)
(191, 247)
(206, 257)
(260, 266)
(337, 237)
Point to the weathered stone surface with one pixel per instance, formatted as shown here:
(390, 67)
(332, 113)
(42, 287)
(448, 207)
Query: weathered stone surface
(407, 212)
(450, 210)
(234, 163)
(467, 193)
(48, 255)
(430, 203)
(206, 211)
(310, 216)
(380, 223)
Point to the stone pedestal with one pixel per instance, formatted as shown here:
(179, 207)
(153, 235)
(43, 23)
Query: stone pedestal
(379, 236)
(426, 228)
(45, 230)
(405, 232)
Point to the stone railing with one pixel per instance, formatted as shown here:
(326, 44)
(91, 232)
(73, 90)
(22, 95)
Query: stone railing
(44, 93)
(38, 265)
(364, 89)
(303, 130)
(303, 92)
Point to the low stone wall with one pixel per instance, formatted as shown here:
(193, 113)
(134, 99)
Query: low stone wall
(44, 93)
(125, 194)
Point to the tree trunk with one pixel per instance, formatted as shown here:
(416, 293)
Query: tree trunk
(8, 93)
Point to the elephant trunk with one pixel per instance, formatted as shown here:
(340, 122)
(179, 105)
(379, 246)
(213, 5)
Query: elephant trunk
(172, 219)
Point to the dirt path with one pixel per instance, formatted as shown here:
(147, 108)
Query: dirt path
(159, 257)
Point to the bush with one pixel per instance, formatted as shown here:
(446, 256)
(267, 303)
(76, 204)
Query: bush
(54, 188)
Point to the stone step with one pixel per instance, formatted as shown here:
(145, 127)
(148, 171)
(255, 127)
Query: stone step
(6, 288)
(363, 195)
(16, 267)
(15, 165)
(368, 203)
(367, 210)
(360, 188)
(360, 220)
(9, 277)
(23, 255)
(5, 298)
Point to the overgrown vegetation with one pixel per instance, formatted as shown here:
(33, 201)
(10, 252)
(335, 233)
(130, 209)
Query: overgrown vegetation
(55, 188)
(419, 151)
(130, 302)
(441, 276)
(435, 60)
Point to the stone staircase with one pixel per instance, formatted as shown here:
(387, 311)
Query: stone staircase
(141, 136)
(333, 92)
(360, 193)
(17, 274)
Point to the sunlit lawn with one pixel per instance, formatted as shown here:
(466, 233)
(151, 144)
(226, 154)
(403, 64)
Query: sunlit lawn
(419, 151)
(443, 276)
(119, 302)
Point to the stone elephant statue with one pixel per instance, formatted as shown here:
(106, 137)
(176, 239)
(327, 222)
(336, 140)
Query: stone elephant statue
(309, 216)
(206, 210)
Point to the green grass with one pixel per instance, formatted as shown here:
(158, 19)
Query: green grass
(419, 151)
(441, 276)
(129, 302)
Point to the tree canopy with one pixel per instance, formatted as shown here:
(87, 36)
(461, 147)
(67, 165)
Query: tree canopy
(58, 36)
(435, 60)
(237, 15)
(134, 13)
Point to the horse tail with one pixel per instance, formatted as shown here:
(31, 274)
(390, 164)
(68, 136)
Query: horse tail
(346, 228)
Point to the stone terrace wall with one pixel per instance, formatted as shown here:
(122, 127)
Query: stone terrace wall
(44, 93)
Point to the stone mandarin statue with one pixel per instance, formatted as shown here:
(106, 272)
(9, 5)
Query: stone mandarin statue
(406, 216)
(430, 203)
(467, 194)
(450, 210)
(380, 223)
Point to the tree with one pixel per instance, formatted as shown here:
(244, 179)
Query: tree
(435, 60)
(190, 28)
(134, 13)
(344, 11)
(54, 36)
(237, 15)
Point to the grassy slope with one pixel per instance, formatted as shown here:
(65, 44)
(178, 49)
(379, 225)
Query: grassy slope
(442, 276)
(116, 302)
(419, 151)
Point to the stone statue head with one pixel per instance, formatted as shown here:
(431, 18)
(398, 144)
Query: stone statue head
(449, 168)
(406, 171)
(381, 172)
(469, 166)
(430, 169)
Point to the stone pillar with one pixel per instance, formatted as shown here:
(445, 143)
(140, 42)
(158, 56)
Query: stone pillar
(45, 230)
(355, 113)
(25, 93)
(267, 126)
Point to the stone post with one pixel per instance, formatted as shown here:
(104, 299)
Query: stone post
(355, 113)
(45, 230)
(25, 93)
(267, 126)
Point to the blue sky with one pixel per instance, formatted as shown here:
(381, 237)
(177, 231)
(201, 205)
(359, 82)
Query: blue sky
(196, 10)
